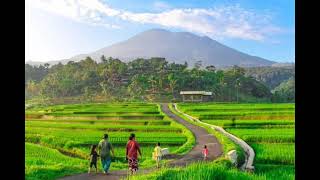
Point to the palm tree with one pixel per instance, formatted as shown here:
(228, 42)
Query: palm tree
(172, 83)
(153, 81)
(237, 86)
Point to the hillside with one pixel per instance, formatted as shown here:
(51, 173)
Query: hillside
(178, 47)
(272, 76)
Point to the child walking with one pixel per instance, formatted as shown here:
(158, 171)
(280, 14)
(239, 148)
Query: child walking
(205, 152)
(93, 158)
(157, 154)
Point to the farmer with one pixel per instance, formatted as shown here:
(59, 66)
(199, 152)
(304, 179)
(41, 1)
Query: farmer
(132, 154)
(104, 149)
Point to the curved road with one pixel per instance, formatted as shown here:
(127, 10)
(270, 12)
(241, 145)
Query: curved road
(201, 135)
(202, 138)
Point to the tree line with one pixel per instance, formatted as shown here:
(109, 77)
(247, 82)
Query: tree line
(153, 79)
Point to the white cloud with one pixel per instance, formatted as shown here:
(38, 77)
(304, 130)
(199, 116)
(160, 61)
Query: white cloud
(86, 11)
(219, 22)
(161, 5)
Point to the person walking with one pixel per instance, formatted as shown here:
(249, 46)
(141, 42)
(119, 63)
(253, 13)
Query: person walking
(205, 152)
(93, 158)
(158, 154)
(132, 150)
(104, 149)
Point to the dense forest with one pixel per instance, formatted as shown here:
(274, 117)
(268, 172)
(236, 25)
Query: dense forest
(271, 76)
(154, 79)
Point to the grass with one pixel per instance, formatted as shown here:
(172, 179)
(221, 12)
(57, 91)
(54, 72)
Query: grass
(119, 122)
(272, 171)
(274, 153)
(128, 128)
(58, 138)
(74, 128)
(45, 163)
(226, 143)
(268, 128)
(219, 169)
(271, 135)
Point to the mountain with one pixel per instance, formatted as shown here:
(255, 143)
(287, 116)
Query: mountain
(177, 47)
(289, 64)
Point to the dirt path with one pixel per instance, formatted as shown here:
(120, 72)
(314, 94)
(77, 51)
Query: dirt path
(201, 135)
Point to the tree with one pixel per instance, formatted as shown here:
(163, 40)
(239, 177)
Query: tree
(238, 71)
(49, 86)
(153, 81)
(144, 79)
(88, 94)
(112, 73)
(35, 73)
(186, 64)
(103, 59)
(238, 86)
(32, 88)
(172, 83)
(254, 88)
(271, 76)
(137, 86)
(47, 65)
(211, 68)
(198, 65)
(285, 92)
(104, 87)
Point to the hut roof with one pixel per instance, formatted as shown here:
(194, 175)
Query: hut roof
(196, 93)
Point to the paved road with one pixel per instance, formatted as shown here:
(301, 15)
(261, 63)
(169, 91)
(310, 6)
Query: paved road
(202, 137)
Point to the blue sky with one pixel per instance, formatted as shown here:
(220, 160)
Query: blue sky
(60, 29)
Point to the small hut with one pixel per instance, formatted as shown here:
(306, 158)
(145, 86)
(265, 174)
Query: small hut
(196, 96)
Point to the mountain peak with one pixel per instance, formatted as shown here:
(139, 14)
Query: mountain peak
(157, 30)
(178, 47)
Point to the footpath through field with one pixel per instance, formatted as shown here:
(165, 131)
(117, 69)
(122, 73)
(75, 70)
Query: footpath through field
(202, 137)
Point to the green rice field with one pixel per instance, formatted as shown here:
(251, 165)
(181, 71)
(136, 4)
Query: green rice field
(268, 128)
(58, 138)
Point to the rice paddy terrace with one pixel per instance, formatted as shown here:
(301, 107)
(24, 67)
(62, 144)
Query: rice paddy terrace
(58, 138)
(267, 128)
